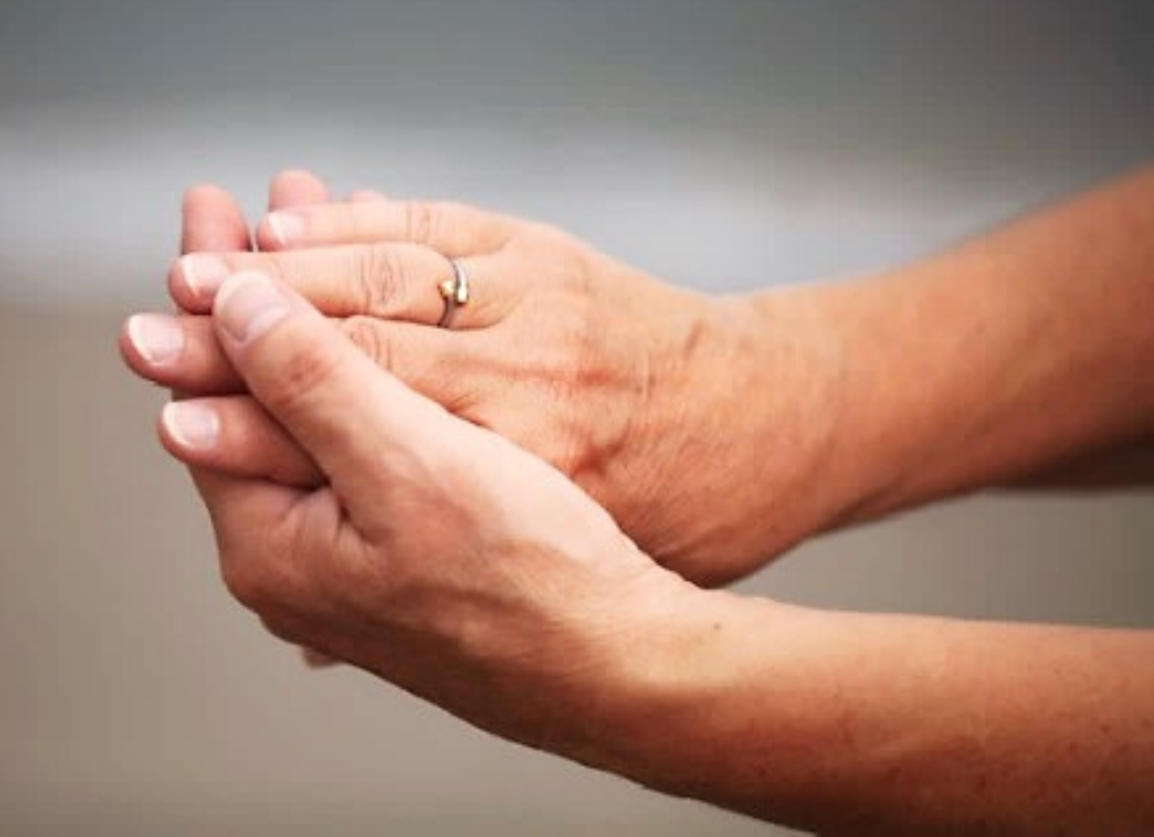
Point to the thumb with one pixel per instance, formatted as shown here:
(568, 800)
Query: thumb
(357, 421)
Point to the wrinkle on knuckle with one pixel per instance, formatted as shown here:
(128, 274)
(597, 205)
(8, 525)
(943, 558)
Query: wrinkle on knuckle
(420, 222)
(364, 292)
(380, 280)
(365, 334)
(276, 267)
(307, 367)
(270, 571)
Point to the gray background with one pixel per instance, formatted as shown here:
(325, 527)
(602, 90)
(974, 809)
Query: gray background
(724, 145)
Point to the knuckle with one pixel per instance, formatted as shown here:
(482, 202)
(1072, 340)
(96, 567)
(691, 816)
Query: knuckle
(420, 222)
(249, 583)
(281, 266)
(289, 630)
(380, 279)
(271, 575)
(302, 374)
(365, 334)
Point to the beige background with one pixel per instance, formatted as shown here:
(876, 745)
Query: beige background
(727, 145)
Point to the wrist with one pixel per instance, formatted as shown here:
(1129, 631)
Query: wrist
(641, 635)
(718, 704)
(881, 421)
(671, 671)
(807, 718)
(800, 415)
(723, 460)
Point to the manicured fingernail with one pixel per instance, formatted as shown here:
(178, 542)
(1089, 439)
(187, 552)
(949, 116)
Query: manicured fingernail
(193, 426)
(158, 338)
(286, 226)
(203, 274)
(248, 305)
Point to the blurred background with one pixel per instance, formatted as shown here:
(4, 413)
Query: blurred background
(724, 145)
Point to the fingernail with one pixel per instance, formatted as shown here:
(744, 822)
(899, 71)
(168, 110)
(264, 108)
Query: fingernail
(158, 338)
(203, 274)
(286, 226)
(193, 426)
(248, 305)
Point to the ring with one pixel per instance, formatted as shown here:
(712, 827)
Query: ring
(455, 292)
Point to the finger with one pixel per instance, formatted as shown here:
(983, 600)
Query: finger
(178, 352)
(235, 436)
(390, 281)
(294, 188)
(452, 229)
(253, 520)
(212, 221)
(262, 529)
(366, 196)
(361, 425)
(428, 360)
(239, 504)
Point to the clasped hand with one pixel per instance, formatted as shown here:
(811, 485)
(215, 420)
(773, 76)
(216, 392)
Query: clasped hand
(655, 400)
(366, 497)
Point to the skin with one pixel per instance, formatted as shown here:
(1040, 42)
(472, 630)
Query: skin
(535, 358)
(652, 398)
(542, 621)
(213, 222)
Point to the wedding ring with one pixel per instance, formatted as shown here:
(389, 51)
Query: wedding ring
(455, 292)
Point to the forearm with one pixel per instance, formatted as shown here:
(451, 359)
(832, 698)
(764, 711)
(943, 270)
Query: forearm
(848, 723)
(1015, 352)
(1127, 466)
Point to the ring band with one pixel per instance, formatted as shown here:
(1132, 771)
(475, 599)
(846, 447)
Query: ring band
(455, 292)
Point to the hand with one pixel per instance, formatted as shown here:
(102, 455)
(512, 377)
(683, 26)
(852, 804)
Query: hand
(695, 423)
(437, 554)
(213, 222)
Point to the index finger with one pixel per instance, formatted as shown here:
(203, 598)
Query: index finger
(452, 229)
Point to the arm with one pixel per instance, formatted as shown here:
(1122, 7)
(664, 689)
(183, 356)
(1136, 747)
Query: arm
(862, 724)
(1019, 352)
(541, 622)
(720, 432)
(1128, 466)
